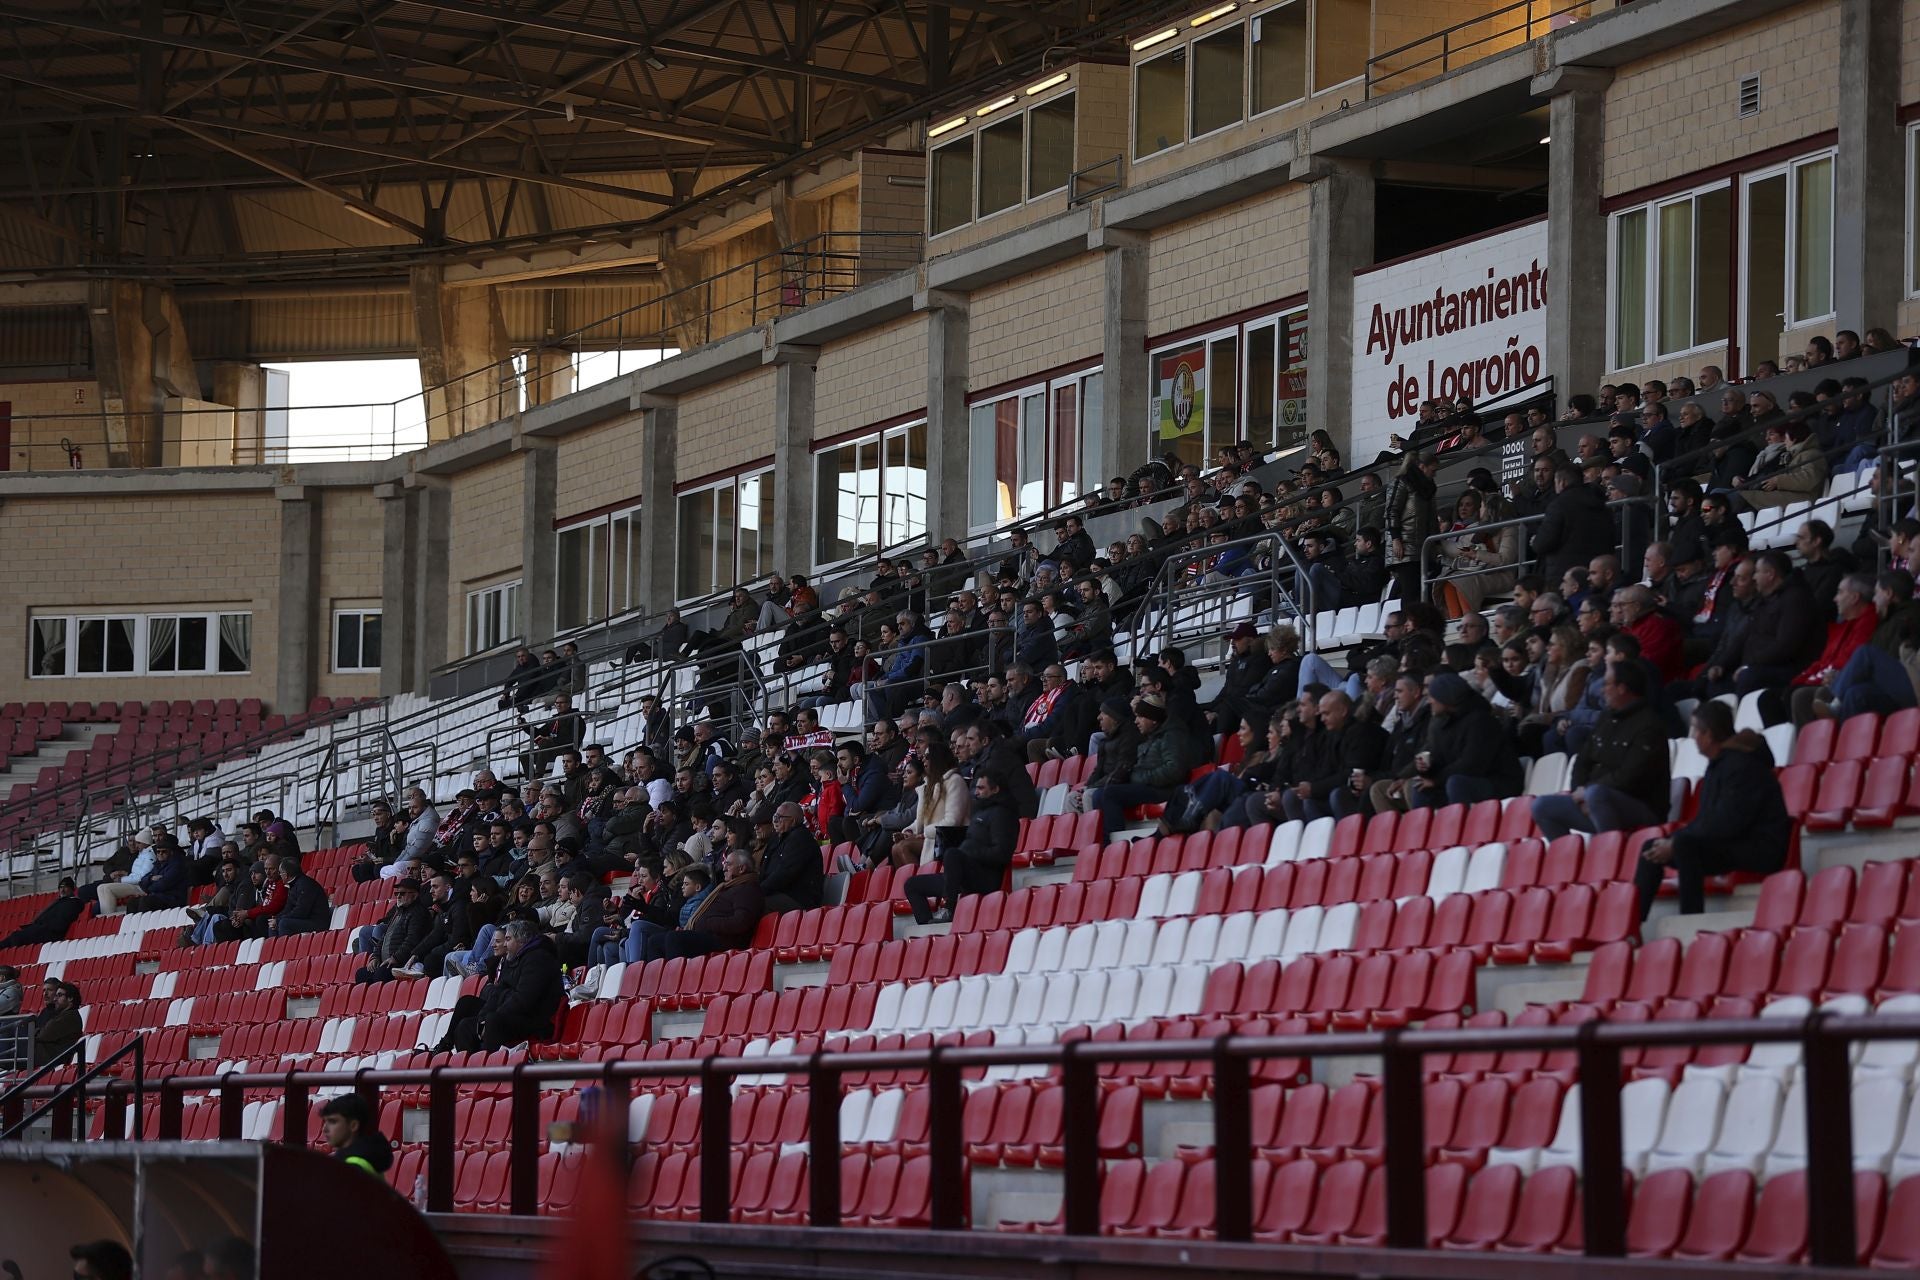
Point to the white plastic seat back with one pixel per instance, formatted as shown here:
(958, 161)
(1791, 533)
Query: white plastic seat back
(1021, 951)
(1079, 954)
(1315, 840)
(854, 1109)
(883, 1116)
(1138, 948)
(1747, 1126)
(1789, 1149)
(1879, 1116)
(1052, 954)
(970, 1006)
(913, 1006)
(1089, 998)
(1891, 1057)
(1485, 867)
(1543, 778)
(1153, 897)
(1782, 1057)
(1269, 934)
(943, 1005)
(1691, 1126)
(1109, 940)
(1337, 927)
(1123, 993)
(1189, 989)
(1203, 938)
(1303, 932)
(1184, 894)
(1285, 845)
(1236, 934)
(1449, 872)
(1171, 942)
(1643, 1110)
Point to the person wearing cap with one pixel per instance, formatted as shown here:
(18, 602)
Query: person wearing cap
(1162, 763)
(402, 930)
(1468, 757)
(161, 888)
(1245, 669)
(54, 920)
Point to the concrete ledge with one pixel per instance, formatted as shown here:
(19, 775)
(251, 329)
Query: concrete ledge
(1619, 37)
(849, 313)
(463, 452)
(1388, 126)
(1017, 252)
(689, 370)
(132, 482)
(1250, 171)
(578, 410)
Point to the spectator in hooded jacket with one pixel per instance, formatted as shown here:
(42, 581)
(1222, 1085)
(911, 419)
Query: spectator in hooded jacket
(1468, 756)
(1621, 776)
(1741, 824)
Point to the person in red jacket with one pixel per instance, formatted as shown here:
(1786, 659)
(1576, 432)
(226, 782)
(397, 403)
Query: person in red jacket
(1854, 628)
(1635, 612)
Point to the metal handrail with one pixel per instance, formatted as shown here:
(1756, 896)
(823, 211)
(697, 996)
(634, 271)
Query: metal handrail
(1826, 1040)
(1078, 195)
(74, 1091)
(1165, 594)
(1429, 580)
(1448, 48)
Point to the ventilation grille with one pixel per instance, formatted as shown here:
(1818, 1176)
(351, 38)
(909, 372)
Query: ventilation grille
(1749, 95)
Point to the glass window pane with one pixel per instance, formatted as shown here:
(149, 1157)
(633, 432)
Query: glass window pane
(511, 623)
(1002, 156)
(346, 641)
(92, 646)
(193, 644)
(236, 642)
(619, 563)
(1223, 394)
(1160, 103)
(725, 568)
(1179, 402)
(1342, 30)
(1033, 453)
(1065, 483)
(575, 571)
(1712, 264)
(1280, 56)
(119, 642)
(475, 642)
(756, 541)
(836, 505)
(1049, 145)
(986, 499)
(370, 641)
(1674, 300)
(49, 652)
(953, 185)
(693, 574)
(1292, 411)
(1219, 76)
(1813, 240)
(162, 643)
(1630, 289)
(1764, 290)
(1261, 371)
(907, 488)
(1092, 436)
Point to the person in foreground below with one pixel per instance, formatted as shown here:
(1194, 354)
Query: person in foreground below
(347, 1123)
(1742, 824)
(101, 1260)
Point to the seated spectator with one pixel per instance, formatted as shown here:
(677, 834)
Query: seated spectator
(486, 903)
(1620, 776)
(164, 887)
(562, 730)
(1852, 630)
(206, 915)
(57, 1027)
(54, 920)
(1801, 475)
(791, 875)
(1783, 633)
(306, 908)
(400, 931)
(415, 834)
(979, 862)
(1342, 750)
(1161, 764)
(1203, 803)
(1635, 612)
(942, 800)
(1741, 823)
(726, 918)
(1468, 756)
(519, 1004)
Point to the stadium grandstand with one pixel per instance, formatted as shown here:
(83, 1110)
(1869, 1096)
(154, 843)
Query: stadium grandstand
(1276, 636)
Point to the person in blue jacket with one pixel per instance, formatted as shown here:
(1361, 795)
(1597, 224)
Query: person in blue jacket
(166, 884)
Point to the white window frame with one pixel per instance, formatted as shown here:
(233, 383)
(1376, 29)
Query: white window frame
(510, 625)
(1047, 390)
(1789, 267)
(1238, 331)
(1651, 305)
(1912, 238)
(610, 588)
(142, 633)
(340, 616)
(735, 482)
(1026, 152)
(1133, 101)
(877, 440)
(1306, 88)
(1246, 80)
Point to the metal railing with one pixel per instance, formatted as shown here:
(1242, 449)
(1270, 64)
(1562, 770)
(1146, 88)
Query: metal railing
(1465, 42)
(66, 1103)
(749, 293)
(1185, 586)
(1432, 574)
(1100, 178)
(1825, 1040)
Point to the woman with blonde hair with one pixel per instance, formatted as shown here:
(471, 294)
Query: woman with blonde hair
(944, 802)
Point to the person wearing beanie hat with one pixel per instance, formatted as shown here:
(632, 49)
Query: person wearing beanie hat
(1164, 760)
(1469, 757)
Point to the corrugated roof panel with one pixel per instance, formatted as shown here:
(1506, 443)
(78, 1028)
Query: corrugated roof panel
(333, 327)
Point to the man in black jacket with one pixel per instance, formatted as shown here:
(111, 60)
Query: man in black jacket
(307, 909)
(54, 920)
(1621, 777)
(1244, 672)
(1742, 822)
(1785, 632)
(978, 864)
(1406, 727)
(1575, 529)
(1468, 757)
(1341, 749)
(401, 931)
(520, 1002)
(791, 875)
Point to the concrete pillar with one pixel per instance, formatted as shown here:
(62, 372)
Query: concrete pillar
(793, 383)
(1576, 229)
(1868, 240)
(1125, 388)
(398, 564)
(123, 363)
(244, 386)
(657, 474)
(540, 474)
(1340, 233)
(947, 434)
(301, 650)
(434, 642)
(464, 358)
(550, 374)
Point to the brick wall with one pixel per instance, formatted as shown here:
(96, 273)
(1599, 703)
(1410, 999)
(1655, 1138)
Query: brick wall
(352, 554)
(726, 424)
(1677, 112)
(1242, 256)
(879, 375)
(97, 554)
(1037, 322)
(484, 539)
(599, 467)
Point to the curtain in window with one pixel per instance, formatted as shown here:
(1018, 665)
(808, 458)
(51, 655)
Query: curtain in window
(236, 641)
(161, 635)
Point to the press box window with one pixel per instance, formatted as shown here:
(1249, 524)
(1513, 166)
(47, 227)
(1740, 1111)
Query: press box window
(953, 185)
(1050, 145)
(1160, 103)
(1279, 38)
(1002, 148)
(1219, 75)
